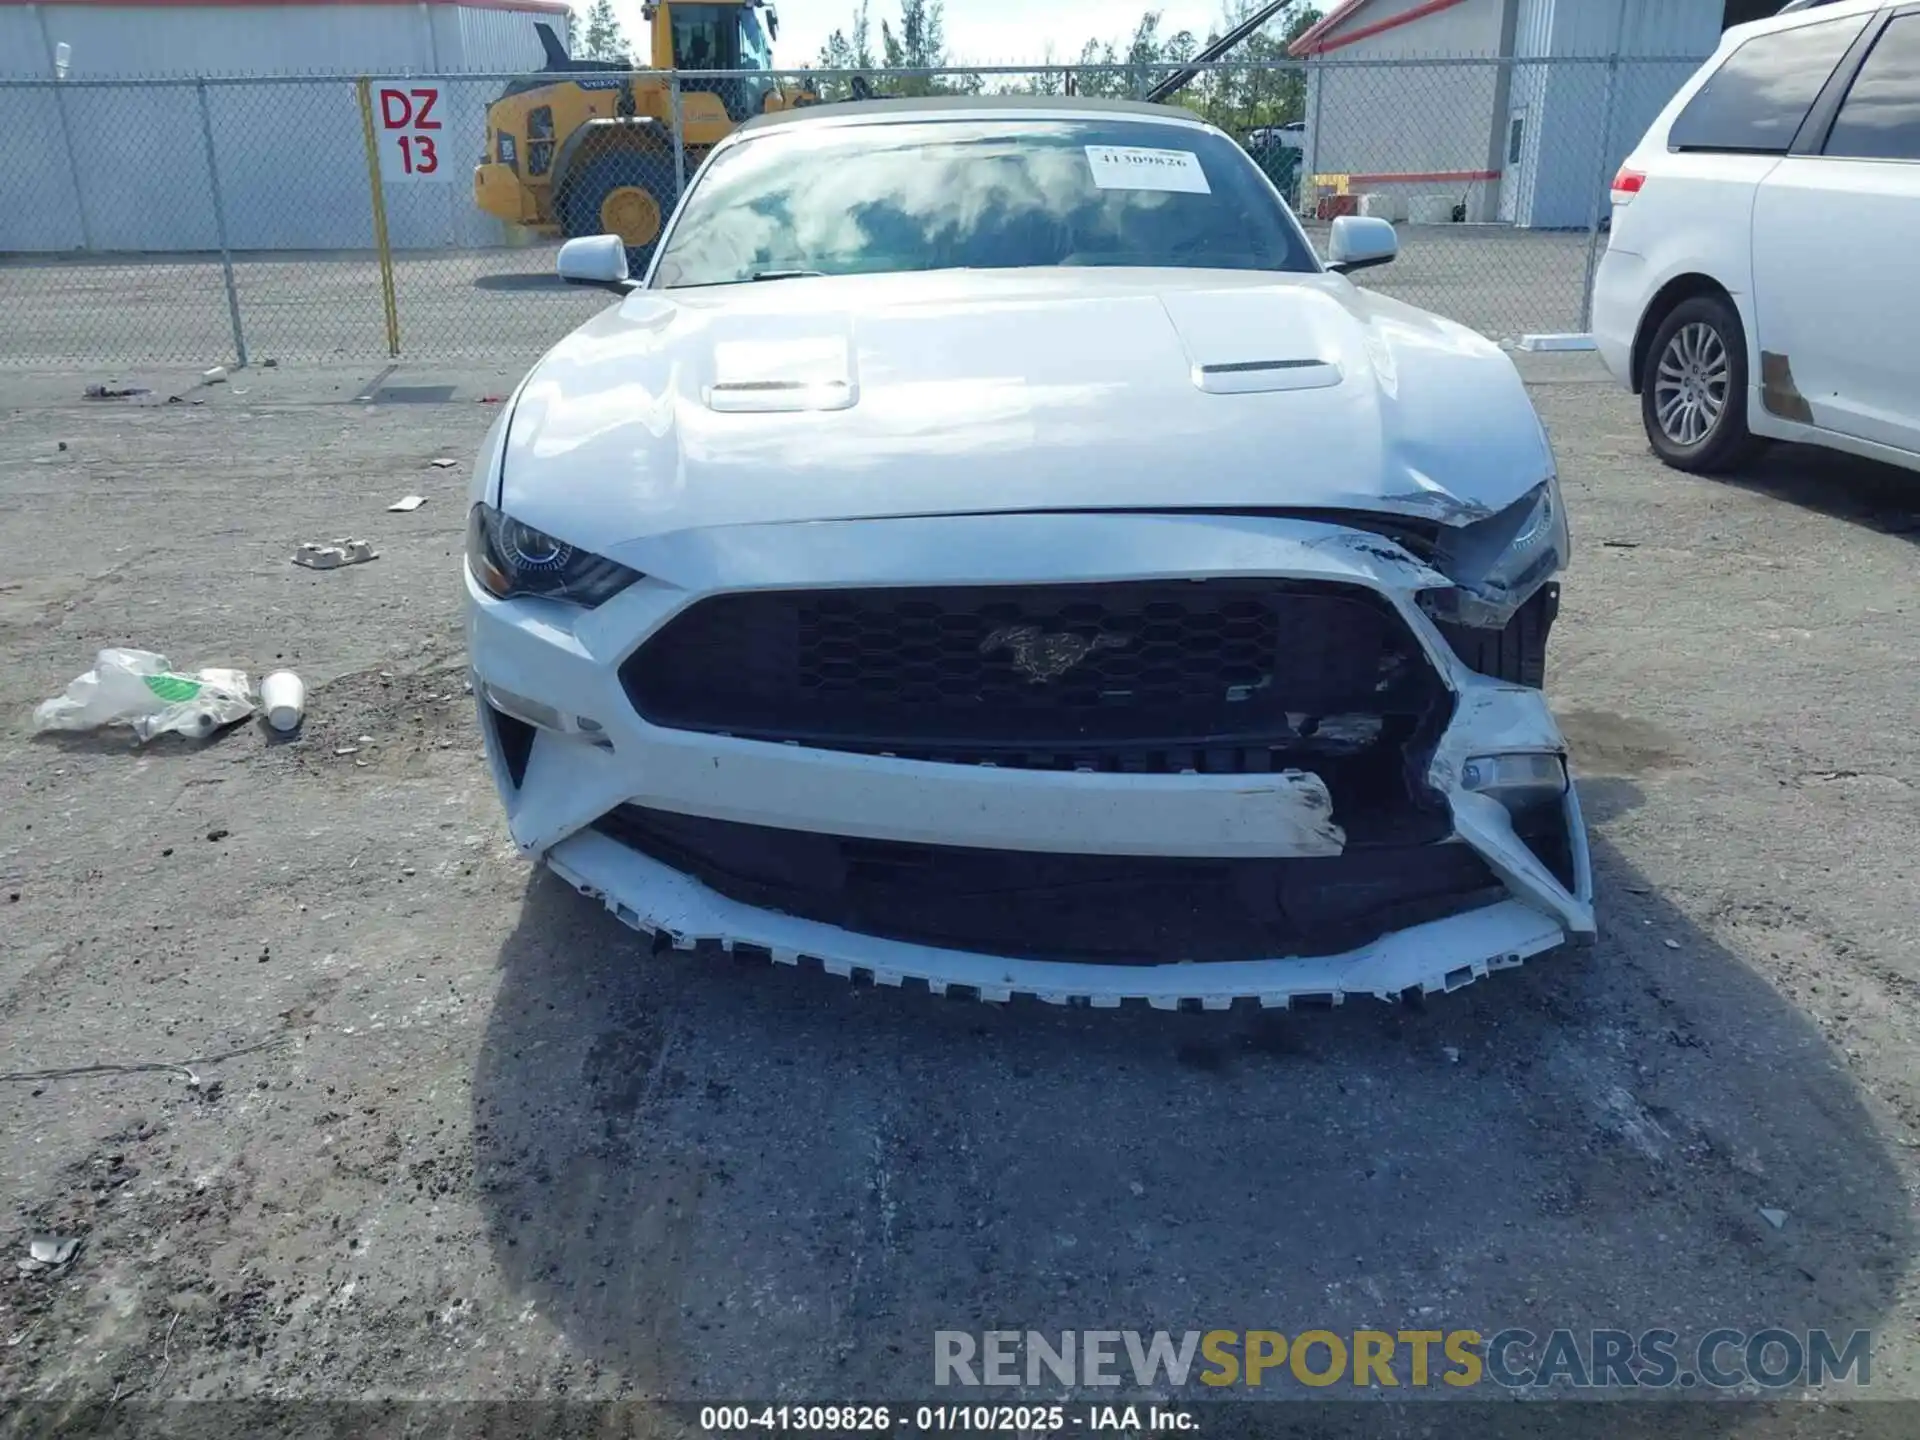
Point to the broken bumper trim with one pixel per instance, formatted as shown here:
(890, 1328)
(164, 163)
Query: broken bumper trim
(1439, 956)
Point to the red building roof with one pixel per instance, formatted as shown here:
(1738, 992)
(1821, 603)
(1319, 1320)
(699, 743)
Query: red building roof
(1315, 41)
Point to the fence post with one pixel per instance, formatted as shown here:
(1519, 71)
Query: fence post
(679, 140)
(1601, 180)
(66, 129)
(220, 226)
(365, 89)
(1310, 191)
(73, 166)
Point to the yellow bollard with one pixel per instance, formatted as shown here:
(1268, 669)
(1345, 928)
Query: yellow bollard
(380, 241)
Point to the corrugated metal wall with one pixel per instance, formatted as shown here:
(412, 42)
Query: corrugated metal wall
(1526, 97)
(22, 50)
(1688, 28)
(112, 41)
(499, 39)
(1555, 187)
(1412, 119)
(148, 41)
(291, 154)
(38, 165)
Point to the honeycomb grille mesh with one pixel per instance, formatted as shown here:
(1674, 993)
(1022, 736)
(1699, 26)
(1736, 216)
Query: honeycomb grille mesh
(1155, 664)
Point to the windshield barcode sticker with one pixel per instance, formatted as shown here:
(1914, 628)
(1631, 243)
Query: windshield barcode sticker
(1131, 167)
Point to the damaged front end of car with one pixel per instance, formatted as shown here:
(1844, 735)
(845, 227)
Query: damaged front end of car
(1181, 759)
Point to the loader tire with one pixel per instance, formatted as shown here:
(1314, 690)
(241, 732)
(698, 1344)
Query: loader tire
(619, 194)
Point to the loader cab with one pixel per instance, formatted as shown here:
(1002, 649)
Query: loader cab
(736, 37)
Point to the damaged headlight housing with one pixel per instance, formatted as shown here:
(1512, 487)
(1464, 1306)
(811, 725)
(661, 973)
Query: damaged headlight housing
(1498, 563)
(512, 559)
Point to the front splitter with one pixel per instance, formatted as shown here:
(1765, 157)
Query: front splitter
(1440, 955)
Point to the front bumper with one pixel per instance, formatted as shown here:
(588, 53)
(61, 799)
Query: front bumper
(569, 660)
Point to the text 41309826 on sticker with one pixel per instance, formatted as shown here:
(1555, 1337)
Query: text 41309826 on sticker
(1135, 167)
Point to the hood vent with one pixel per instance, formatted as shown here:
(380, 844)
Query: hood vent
(1259, 377)
(780, 376)
(746, 397)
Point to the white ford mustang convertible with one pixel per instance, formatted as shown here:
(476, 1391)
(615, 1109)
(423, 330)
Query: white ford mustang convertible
(991, 549)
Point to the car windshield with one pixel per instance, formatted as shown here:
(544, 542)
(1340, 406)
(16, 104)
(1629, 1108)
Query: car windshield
(977, 193)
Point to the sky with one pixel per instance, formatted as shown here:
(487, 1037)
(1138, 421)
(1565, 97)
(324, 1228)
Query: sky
(981, 31)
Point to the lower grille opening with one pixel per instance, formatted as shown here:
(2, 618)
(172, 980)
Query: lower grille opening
(515, 738)
(1217, 676)
(1145, 910)
(1516, 653)
(1544, 831)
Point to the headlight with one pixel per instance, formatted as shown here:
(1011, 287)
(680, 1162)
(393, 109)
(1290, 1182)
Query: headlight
(1498, 563)
(511, 559)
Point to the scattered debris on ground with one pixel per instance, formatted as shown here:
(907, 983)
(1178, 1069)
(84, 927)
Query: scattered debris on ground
(117, 392)
(333, 556)
(408, 502)
(283, 695)
(49, 1252)
(183, 1068)
(139, 689)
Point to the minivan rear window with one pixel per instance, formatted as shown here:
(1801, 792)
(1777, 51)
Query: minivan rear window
(1756, 102)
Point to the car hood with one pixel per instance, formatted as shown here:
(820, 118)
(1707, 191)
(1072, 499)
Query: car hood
(970, 392)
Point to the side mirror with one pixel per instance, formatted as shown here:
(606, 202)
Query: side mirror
(1360, 242)
(773, 23)
(595, 260)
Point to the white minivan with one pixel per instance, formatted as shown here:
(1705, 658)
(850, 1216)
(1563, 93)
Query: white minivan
(1762, 280)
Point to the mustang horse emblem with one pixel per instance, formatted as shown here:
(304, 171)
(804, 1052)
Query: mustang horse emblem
(1041, 656)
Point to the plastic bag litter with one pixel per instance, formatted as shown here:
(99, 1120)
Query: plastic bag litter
(135, 687)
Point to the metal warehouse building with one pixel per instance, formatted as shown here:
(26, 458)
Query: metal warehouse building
(1517, 142)
(118, 167)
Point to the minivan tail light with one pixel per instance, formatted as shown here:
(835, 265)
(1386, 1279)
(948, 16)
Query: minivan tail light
(1626, 185)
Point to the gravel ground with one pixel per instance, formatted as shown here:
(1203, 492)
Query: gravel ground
(493, 1147)
(505, 305)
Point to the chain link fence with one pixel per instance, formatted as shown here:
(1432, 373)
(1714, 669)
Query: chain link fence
(303, 218)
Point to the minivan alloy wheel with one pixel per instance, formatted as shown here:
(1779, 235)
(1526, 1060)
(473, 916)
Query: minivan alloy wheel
(1691, 384)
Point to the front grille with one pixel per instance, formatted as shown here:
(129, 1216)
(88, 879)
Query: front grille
(1092, 908)
(1135, 676)
(1518, 652)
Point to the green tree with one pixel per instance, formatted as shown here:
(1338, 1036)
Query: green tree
(1146, 56)
(849, 49)
(603, 39)
(917, 41)
(1099, 82)
(1051, 79)
(920, 43)
(1268, 87)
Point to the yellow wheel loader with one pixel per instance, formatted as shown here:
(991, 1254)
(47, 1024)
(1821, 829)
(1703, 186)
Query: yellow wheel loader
(585, 147)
